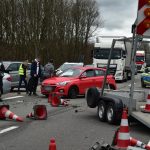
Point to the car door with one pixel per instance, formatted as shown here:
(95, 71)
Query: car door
(99, 77)
(13, 71)
(87, 80)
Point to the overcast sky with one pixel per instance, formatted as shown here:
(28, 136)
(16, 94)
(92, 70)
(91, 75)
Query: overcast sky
(118, 16)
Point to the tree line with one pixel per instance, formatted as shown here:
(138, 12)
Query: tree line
(58, 29)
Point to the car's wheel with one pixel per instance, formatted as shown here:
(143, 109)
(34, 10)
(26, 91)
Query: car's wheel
(110, 114)
(142, 84)
(73, 92)
(101, 110)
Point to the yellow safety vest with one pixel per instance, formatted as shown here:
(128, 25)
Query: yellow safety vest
(21, 71)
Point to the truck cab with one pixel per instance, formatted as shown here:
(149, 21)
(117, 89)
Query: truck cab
(119, 65)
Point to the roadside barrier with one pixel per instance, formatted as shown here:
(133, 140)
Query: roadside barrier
(6, 113)
(147, 106)
(40, 113)
(52, 145)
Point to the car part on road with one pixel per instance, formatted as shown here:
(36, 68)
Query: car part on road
(92, 97)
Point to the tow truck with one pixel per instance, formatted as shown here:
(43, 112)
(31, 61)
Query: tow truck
(110, 104)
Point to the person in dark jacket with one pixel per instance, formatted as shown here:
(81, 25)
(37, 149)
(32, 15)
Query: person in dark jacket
(35, 75)
(49, 69)
(23, 75)
(2, 70)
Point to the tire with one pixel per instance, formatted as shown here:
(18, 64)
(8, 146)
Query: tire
(73, 92)
(110, 114)
(101, 111)
(92, 97)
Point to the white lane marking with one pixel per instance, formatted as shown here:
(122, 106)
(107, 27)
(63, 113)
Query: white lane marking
(12, 97)
(8, 129)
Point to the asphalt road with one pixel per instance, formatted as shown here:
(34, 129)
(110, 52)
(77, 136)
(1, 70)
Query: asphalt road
(73, 127)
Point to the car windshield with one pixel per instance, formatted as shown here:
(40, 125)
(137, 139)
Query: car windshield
(66, 66)
(72, 72)
(103, 53)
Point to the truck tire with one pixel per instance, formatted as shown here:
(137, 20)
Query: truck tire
(92, 97)
(101, 110)
(110, 114)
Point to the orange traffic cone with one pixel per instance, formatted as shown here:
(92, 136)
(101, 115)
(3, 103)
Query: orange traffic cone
(123, 135)
(52, 145)
(40, 112)
(30, 115)
(135, 142)
(55, 101)
(6, 113)
(147, 106)
(63, 102)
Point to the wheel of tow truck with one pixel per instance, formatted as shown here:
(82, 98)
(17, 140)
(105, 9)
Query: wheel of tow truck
(73, 92)
(110, 114)
(101, 111)
(92, 97)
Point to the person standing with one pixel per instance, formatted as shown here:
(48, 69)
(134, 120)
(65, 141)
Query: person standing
(23, 75)
(49, 69)
(35, 75)
(2, 70)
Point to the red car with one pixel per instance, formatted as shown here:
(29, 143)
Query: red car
(76, 80)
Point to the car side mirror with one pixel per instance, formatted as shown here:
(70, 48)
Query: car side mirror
(83, 76)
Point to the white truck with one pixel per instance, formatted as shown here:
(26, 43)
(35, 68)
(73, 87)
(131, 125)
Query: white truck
(120, 58)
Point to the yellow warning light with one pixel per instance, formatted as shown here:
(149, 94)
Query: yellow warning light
(147, 12)
(147, 24)
(148, 2)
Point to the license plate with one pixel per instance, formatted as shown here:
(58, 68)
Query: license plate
(48, 88)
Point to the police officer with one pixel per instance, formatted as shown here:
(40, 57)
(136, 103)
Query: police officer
(23, 75)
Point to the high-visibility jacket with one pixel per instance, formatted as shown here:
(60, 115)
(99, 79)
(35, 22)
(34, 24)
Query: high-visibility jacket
(21, 70)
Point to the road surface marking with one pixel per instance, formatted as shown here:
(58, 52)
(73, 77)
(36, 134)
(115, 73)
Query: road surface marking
(8, 129)
(12, 97)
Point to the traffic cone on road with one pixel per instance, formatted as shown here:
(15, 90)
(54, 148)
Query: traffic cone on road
(147, 106)
(30, 115)
(135, 142)
(123, 140)
(52, 145)
(6, 113)
(115, 138)
(55, 101)
(63, 102)
(40, 113)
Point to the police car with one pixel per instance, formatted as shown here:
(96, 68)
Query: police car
(145, 77)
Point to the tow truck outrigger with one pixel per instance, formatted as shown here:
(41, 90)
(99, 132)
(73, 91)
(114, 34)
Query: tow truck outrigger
(111, 103)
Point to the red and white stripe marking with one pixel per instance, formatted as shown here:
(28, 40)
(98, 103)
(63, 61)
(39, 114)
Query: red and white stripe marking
(141, 30)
